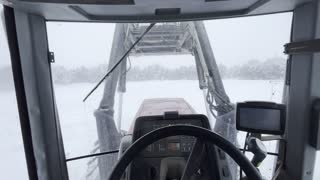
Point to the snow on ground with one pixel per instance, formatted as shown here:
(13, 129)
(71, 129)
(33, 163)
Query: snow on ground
(13, 164)
(78, 123)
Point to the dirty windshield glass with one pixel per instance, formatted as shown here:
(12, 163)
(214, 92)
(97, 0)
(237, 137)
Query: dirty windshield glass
(189, 67)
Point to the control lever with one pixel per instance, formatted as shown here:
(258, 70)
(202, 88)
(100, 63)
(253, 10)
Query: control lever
(258, 149)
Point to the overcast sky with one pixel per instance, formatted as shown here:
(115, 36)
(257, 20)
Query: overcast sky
(234, 41)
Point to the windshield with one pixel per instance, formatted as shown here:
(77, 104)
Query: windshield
(166, 67)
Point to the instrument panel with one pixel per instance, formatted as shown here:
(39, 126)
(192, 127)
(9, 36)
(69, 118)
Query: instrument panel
(171, 146)
(168, 157)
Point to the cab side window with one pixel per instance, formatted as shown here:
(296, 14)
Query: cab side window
(12, 156)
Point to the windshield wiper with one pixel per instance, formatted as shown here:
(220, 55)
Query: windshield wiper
(120, 60)
(92, 155)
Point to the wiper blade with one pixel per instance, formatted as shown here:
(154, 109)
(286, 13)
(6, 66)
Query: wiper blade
(120, 60)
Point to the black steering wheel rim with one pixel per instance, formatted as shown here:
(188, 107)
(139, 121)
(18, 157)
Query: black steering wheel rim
(188, 130)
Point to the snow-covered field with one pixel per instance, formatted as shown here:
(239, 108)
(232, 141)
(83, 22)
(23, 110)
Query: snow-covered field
(78, 123)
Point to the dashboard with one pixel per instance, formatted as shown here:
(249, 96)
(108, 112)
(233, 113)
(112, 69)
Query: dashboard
(167, 158)
(171, 146)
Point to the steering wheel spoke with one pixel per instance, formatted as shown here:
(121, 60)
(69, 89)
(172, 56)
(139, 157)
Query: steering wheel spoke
(194, 160)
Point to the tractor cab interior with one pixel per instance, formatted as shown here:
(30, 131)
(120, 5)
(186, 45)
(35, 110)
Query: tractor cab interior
(174, 146)
(168, 131)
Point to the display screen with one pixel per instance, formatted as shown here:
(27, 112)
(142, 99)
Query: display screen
(260, 119)
(173, 146)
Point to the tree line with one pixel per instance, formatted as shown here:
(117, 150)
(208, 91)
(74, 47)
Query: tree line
(271, 69)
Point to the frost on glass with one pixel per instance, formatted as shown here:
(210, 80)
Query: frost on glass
(250, 62)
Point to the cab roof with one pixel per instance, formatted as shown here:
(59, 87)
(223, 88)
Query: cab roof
(150, 10)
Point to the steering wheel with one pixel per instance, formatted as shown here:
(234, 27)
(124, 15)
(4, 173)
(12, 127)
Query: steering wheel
(188, 130)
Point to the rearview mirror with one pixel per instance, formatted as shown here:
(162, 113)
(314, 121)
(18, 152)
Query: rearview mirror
(261, 117)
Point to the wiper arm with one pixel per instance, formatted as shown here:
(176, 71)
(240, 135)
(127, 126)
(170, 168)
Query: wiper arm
(120, 60)
(92, 155)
